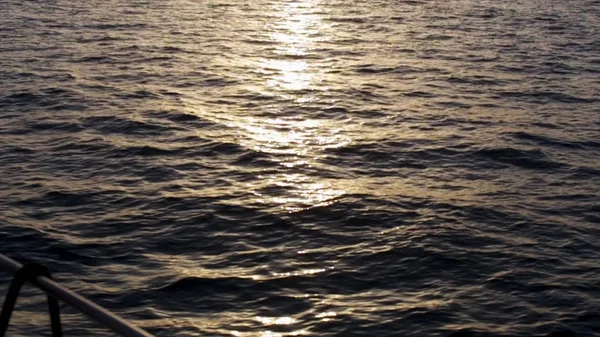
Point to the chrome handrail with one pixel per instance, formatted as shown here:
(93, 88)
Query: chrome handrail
(87, 307)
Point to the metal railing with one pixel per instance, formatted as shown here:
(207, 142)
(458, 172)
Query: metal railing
(39, 276)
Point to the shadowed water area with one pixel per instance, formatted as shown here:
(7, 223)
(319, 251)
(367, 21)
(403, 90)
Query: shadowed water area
(308, 167)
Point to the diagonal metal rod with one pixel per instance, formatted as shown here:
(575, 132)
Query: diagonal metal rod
(89, 308)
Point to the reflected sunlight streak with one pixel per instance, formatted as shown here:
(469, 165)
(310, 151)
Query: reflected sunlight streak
(296, 29)
(287, 132)
(295, 36)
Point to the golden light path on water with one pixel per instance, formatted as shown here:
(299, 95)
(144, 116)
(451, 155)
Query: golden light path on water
(296, 140)
(287, 74)
(301, 140)
(294, 34)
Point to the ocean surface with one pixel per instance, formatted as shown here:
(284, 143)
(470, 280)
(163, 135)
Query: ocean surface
(305, 167)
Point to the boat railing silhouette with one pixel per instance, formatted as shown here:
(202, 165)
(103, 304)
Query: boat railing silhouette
(39, 276)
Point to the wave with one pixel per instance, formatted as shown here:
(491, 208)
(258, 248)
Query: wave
(554, 142)
(545, 97)
(400, 155)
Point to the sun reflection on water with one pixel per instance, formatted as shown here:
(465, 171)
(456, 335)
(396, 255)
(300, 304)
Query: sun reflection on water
(275, 320)
(300, 189)
(295, 141)
(295, 34)
(290, 71)
(291, 75)
(292, 132)
(292, 136)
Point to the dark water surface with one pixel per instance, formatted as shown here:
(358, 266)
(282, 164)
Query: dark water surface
(319, 168)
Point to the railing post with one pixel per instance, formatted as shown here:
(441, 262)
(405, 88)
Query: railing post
(41, 279)
(29, 273)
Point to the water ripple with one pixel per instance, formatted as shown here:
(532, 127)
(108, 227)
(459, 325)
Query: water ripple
(306, 167)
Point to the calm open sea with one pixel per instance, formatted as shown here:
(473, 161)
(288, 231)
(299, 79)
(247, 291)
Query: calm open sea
(306, 167)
